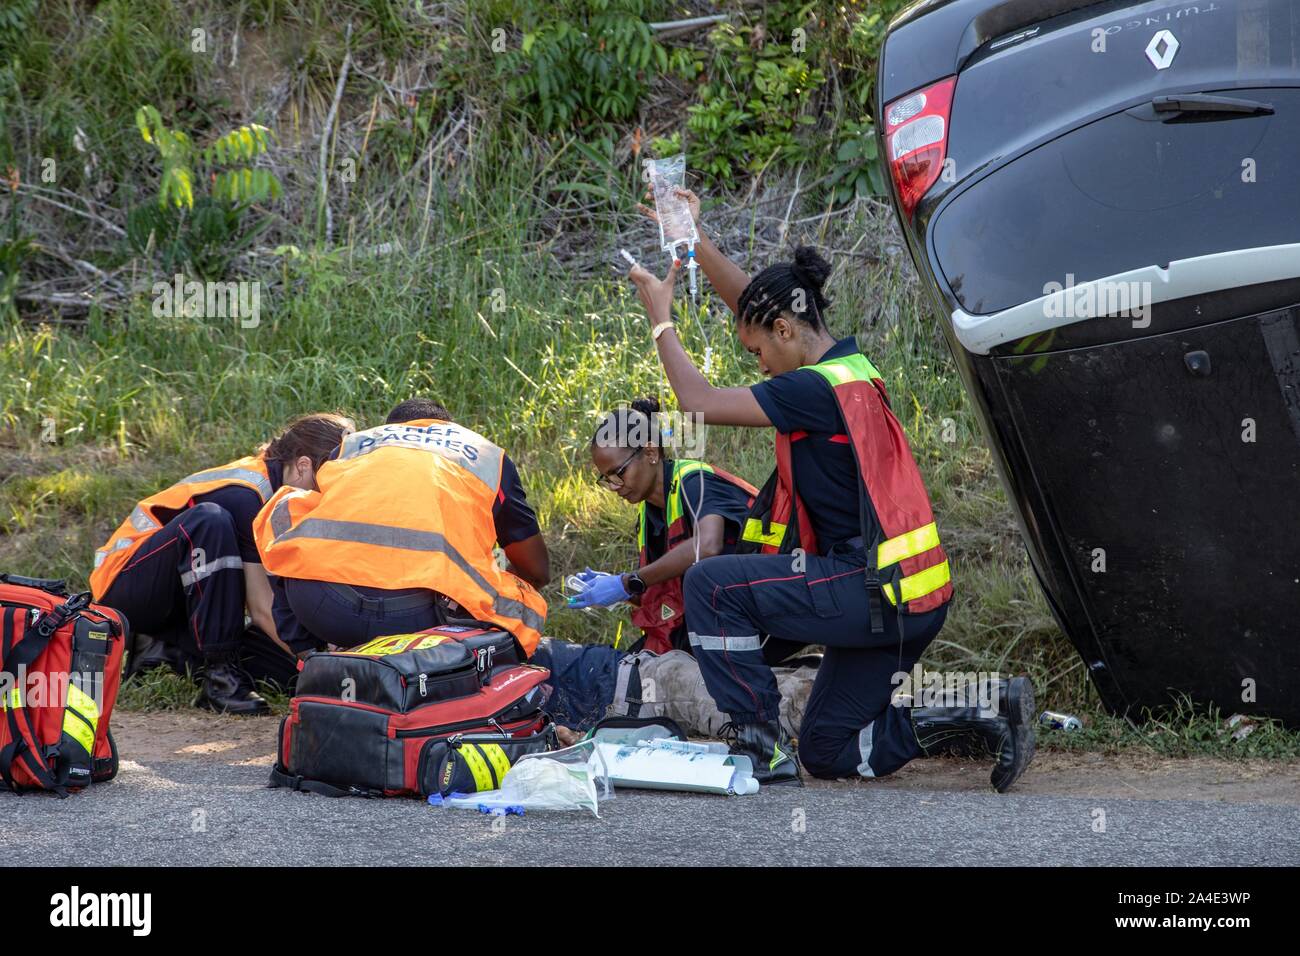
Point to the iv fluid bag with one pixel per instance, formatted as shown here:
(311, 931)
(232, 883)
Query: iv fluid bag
(676, 227)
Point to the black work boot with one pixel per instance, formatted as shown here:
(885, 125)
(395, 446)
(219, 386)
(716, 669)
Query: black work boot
(228, 689)
(769, 749)
(1006, 734)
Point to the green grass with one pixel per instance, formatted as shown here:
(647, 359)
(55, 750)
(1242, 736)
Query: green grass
(160, 397)
(1182, 731)
(159, 689)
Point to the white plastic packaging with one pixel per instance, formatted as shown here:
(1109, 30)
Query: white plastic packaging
(676, 765)
(574, 778)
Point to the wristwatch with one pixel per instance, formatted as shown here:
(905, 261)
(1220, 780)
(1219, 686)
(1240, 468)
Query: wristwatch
(661, 328)
(635, 586)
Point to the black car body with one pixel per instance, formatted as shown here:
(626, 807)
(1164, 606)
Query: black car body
(1103, 200)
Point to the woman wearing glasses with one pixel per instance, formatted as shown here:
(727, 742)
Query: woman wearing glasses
(687, 510)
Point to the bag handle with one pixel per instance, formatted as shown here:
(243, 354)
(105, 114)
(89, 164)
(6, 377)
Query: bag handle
(280, 778)
(56, 586)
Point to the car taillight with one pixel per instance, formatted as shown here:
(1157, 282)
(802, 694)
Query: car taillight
(916, 136)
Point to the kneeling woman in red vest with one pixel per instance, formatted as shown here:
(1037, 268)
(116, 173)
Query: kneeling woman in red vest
(687, 510)
(184, 566)
(850, 555)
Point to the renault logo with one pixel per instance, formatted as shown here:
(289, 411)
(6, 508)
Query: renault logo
(1161, 50)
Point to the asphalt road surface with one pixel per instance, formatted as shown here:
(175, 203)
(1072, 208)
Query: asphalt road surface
(178, 812)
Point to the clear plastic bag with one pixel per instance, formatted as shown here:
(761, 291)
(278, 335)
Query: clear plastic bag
(574, 778)
(666, 176)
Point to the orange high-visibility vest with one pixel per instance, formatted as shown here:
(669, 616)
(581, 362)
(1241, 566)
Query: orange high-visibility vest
(404, 506)
(145, 520)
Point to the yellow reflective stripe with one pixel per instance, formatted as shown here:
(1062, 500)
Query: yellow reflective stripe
(849, 368)
(497, 757)
(15, 699)
(921, 583)
(477, 766)
(754, 532)
(640, 527)
(81, 718)
(907, 544)
(681, 469)
(836, 370)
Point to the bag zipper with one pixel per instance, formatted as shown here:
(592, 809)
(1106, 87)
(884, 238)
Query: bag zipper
(465, 669)
(449, 730)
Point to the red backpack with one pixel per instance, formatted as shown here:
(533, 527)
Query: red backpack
(449, 709)
(60, 667)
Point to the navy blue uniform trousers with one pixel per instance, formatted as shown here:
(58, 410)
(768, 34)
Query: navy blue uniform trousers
(850, 727)
(310, 614)
(185, 583)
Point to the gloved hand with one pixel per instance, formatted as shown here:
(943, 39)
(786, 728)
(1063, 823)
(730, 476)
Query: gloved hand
(587, 576)
(602, 591)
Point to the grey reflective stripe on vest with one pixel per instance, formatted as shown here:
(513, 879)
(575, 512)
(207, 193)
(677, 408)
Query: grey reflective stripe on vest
(485, 464)
(102, 554)
(262, 483)
(406, 539)
(713, 642)
(141, 520)
(280, 519)
(209, 568)
(864, 748)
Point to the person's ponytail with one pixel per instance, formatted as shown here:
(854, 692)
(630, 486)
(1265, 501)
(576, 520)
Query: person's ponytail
(638, 418)
(791, 288)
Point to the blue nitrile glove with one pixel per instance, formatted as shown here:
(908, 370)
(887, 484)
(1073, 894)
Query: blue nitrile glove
(604, 590)
(587, 576)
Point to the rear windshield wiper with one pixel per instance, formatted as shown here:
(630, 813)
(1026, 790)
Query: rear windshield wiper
(1207, 106)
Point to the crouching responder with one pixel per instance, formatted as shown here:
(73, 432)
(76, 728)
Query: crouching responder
(184, 567)
(400, 534)
(686, 510)
(851, 555)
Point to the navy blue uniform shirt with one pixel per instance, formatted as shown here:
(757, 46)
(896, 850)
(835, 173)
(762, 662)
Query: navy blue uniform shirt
(720, 498)
(243, 505)
(513, 516)
(825, 472)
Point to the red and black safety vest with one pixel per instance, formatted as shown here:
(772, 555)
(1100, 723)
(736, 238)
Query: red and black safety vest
(662, 609)
(906, 558)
